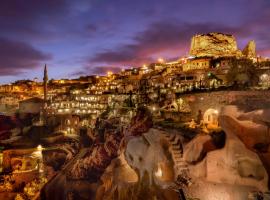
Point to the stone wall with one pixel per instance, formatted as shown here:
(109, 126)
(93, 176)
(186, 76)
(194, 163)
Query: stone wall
(245, 100)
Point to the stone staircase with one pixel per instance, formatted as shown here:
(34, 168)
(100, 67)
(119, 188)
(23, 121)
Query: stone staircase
(176, 149)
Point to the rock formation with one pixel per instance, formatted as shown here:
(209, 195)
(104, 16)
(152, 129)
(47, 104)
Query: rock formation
(250, 127)
(143, 171)
(202, 144)
(250, 50)
(145, 154)
(140, 123)
(145, 166)
(214, 45)
(233, 171)
(97, 159)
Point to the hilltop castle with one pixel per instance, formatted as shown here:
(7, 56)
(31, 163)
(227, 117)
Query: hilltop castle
(219, 45)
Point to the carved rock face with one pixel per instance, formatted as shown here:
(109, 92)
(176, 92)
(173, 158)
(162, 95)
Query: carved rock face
(195, 149)
(146, 155)
(139, 172)
(202, 144)
(234, 164)
(214, 44)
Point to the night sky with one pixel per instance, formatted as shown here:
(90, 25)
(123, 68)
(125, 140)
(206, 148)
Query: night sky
(83, 37)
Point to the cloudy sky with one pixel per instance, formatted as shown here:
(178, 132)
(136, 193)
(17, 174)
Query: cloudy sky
(83, 37)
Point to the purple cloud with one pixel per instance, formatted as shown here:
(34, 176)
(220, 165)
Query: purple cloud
(165, 39)
(17, 57)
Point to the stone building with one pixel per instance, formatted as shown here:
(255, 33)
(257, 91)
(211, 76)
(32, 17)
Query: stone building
(197, 63)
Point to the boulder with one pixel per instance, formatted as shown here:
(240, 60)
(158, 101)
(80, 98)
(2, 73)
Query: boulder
(197, 148)
(250, 127)
(194, 151)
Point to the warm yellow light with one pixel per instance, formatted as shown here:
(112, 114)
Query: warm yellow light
(158, 173)
(161, 60)
(39, 148)
(109, 73)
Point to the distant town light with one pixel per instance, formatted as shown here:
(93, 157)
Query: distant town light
(160, 60)
(109, 73)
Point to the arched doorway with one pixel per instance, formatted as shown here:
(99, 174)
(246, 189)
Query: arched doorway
(210, 117)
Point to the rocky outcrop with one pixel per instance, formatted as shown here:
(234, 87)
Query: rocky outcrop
(146, 155)
(252, 128)
(197, 148)
(109, 142)
(194, 151)
(143, 170)
(233, 171)
(118, 178)
(97, 159)
(250, 50)
(120, 182)
(214, 45)
(235, 164)
(140, 123)
(55, 158)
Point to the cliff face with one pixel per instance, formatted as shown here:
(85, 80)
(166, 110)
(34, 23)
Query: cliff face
(214, 44)
(250, 50)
